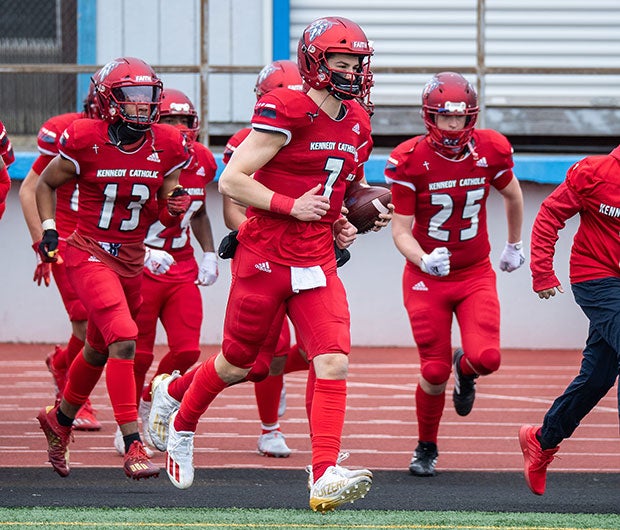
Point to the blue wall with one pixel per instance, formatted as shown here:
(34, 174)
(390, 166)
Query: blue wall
(544, 169)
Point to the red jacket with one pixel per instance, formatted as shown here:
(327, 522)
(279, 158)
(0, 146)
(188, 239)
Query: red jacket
(591, 189)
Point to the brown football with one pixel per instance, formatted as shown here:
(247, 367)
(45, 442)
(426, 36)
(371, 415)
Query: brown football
(365, 203)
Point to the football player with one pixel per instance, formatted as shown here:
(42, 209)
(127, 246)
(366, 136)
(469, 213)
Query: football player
(127, 168)
(440, 184)
(59, 360)
(7, 157)
(170, 287)
(292, 172)
(270, 392)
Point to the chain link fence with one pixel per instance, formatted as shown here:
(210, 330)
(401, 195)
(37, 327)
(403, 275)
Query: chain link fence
(36, 31)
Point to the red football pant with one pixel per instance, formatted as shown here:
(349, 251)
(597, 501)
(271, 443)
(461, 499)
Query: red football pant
(179, 307)
(111, 301)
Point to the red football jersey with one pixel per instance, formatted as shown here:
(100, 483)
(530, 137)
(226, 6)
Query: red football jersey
(592, 190)
(318, 150)
(233, 143)
(448, 197)
(176, 240)
(67, 194)
(6, 149)
(118, 190)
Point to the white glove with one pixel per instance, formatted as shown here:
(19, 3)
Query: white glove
(512, 257)
(437, 263)
(207, 272)
(157, 261)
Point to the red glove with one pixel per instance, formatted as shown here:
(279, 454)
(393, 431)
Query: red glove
(178, 201)
(43, 271)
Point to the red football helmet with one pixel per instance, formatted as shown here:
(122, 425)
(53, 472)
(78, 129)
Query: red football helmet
(176, 103)
(91, 105)
(128, 81)
(335, 35)
(449, 93)
(278, 74)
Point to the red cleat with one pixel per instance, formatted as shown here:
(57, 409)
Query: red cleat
(58, 439)
(536, 459)
(137, 463)
(85, 419)
(59, 374)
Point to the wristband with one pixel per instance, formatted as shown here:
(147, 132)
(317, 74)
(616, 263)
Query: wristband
(281, 204)
(48, 224)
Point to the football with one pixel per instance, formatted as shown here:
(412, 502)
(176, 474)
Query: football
(365, 203)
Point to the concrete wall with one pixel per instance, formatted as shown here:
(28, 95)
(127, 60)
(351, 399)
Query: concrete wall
(29, 313)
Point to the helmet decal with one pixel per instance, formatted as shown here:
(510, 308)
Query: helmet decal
(317, 28)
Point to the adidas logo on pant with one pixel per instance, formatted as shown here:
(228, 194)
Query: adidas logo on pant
(420, 286)
(264, 266)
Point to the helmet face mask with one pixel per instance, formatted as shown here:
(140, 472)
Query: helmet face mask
(128, 90)
(335, 35)
(175, 103)
(449, 94)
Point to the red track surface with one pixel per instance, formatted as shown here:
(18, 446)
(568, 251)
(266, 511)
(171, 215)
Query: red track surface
(380, 429)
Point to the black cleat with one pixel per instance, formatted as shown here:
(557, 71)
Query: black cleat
(464, 392)
(424, 460)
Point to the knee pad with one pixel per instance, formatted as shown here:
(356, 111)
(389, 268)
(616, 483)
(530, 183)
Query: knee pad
(489, 362)
(436, 373)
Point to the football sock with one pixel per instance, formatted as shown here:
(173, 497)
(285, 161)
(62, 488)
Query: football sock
(179, 386)
(428, 410)
(122, 389)
(204, 389)
(269, 428)
(129, 439)
(327, 420)
(81, 379)
(63, 419)
(267, 394)
(74, 346)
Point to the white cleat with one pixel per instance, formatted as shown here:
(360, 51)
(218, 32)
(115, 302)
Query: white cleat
(351, 473)
(336, 488)
(162, 406)
(180, 456)
(273, 444)
(144, 409)
(119, 443)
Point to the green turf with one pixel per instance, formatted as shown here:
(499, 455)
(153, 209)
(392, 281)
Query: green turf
(153, 518)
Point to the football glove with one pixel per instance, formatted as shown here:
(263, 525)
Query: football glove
(512, 257)
(43, 270)
(157, 261)
(437, 263)
(207, 272)
(342, 255)
(178, 201)
(48, 246)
